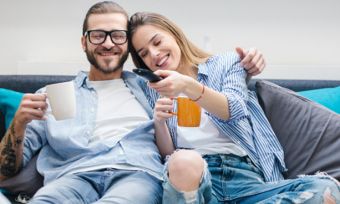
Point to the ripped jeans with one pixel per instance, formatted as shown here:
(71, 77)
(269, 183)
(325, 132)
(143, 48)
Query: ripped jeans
(234, 179)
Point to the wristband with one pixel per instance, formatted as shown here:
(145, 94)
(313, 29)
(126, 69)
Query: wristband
(200, 95)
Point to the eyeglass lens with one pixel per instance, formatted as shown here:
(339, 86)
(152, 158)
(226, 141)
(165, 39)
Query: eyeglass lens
(98, 36)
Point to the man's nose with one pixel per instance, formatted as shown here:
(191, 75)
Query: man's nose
(108, 42)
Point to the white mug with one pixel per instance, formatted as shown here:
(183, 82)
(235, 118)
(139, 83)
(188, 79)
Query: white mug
(61, 97)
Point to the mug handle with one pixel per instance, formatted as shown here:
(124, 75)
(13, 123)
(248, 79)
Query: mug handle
(174, 99)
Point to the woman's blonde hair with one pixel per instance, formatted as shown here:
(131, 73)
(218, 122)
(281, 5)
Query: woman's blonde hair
(191, 54)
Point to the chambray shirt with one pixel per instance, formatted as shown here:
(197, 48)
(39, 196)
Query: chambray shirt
(247, 125)
(65, 145)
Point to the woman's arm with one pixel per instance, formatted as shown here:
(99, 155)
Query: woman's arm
(161, 114)
(209, 99)
(231, 77)
(163, 111)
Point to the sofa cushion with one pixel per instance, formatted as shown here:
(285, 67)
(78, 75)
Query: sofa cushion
(308, 132)
(28, 181)
(328, 97)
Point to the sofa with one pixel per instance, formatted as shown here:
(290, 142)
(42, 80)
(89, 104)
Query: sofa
(294, 119)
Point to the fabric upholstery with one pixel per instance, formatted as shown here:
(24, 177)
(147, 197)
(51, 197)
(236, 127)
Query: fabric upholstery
(30, 83)
(328, 97)
(9, 103)
(308, 132)
(28, 181)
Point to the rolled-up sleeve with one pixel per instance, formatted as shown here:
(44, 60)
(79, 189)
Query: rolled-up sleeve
(234, 87)
(35, 138)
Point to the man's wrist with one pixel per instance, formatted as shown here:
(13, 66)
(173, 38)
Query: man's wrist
(18, 129)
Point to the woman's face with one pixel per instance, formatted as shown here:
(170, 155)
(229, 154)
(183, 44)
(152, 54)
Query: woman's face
(157, 48)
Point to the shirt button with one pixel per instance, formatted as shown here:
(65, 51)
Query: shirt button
(92, 110)
(88, 132)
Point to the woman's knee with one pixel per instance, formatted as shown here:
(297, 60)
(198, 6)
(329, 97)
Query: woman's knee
(331, 190)
(326, 188)
(185, 169)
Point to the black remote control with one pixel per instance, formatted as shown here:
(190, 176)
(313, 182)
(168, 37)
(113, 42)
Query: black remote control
(147, 74)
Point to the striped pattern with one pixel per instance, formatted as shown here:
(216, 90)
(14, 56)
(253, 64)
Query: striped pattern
(247, 125)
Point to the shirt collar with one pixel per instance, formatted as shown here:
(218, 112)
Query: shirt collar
(82, 78)
(203, 68)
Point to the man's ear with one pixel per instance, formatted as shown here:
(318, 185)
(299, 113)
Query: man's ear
(83, 42)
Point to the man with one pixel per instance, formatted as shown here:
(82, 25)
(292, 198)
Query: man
(107, 153)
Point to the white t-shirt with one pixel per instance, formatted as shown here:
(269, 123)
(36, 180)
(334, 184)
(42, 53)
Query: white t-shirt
(118, 111)
(207, 139)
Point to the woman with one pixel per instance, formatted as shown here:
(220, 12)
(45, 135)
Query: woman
(234, 152)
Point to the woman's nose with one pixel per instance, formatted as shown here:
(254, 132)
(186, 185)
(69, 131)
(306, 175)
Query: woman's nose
(154, 52)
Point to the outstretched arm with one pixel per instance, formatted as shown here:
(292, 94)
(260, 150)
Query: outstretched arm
(233, 90)
(175, 83)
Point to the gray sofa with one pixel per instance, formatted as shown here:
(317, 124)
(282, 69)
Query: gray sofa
(30, 83)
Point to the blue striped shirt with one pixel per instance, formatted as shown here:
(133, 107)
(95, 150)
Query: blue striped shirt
(247, 125)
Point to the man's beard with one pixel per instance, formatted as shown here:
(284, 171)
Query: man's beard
(108, 70)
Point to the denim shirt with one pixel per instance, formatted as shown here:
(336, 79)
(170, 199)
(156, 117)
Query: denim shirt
(65, 145)
(247, 125)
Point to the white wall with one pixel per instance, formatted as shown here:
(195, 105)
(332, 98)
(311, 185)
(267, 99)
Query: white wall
(299, 38)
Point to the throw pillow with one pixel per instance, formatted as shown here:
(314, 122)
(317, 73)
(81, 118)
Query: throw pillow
(2, 125)
(308, 132)
(9, 103)
(328, 97)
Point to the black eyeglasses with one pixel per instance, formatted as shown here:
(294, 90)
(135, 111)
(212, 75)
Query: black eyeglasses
(97, 37)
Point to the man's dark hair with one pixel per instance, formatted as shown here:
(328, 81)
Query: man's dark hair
(103, 8)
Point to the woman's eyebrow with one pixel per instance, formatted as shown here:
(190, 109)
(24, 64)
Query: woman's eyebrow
(148, 42)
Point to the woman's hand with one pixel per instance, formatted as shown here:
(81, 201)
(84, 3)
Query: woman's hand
(172, 85)
(163, 110)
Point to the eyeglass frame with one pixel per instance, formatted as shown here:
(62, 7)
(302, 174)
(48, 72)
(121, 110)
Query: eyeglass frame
(107, 33)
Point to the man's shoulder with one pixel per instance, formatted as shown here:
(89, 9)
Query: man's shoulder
(225, 57)
(128, 75)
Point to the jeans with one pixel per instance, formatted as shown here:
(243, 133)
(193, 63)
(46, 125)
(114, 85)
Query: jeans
(234, 179)
(106, 186)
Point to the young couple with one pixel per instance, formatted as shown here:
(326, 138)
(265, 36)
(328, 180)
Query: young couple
(109, 153)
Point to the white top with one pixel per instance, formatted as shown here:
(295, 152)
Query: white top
(118, 111)
(207, 139)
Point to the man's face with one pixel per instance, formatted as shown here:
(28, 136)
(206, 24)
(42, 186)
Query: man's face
(107, 57)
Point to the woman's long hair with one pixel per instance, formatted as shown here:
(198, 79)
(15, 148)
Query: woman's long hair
(190, 54)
